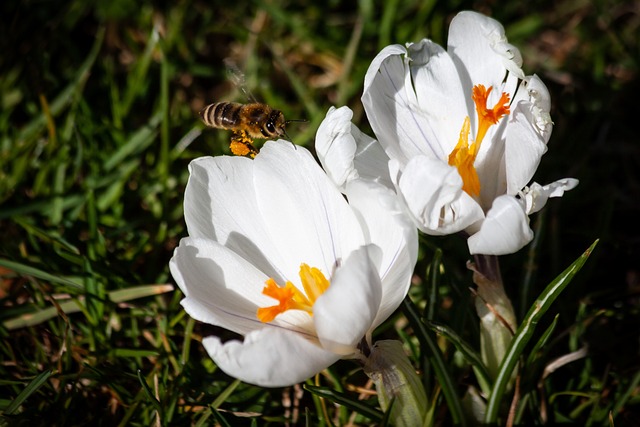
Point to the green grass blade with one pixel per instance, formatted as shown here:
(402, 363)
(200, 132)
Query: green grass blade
(213, 407)
(137, 79)
(526, 330)
(150, 395)
(220, 420)
(434, 275)
(631, 390)
(116, 183)
(163, 157)
(141, 291)
(35, 318)
(25, 270)
(138, 142)
(470, 355)
(31, 388)
(340, 398)
(225, 394)
(389, 15)
(301, 89)
(67, 95)
(133, 352)
(531, 266)
(543, 340)
(436, 360)
(73, 306)
(40, 206)
(345, 85)
(204, 417)
(386, 421)
(47, 236)
(56, 209)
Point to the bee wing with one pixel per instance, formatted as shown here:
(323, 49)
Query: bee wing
(236, 77)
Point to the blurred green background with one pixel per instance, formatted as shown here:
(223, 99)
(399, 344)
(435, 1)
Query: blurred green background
(99, 122)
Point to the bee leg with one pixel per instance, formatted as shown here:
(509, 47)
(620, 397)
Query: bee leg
(242, 145)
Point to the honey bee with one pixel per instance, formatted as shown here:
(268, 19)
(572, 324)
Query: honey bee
(246, 121)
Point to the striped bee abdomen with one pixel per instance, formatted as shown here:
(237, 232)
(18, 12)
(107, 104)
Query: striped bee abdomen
(224, 115)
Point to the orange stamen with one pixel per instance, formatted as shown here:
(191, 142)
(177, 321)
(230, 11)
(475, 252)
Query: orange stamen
(290, 298)
(464, 154)
(487, 116)
(463, 158)
(313, 281)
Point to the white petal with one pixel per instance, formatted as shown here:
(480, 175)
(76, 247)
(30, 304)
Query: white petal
(526, 141)
(536, 195)
(221, 288)
(304, 213)
(391, 104)
(432, 192)
(388, 227)
(335, 146)
(490, 165)
(480, 50)
(512, 150)
(370, 160)
(207, 177)
(270, 357)
(346, 153)
(536, 91)
(388, 51)
(557, 188)
(345, 312)
(220, 204)
(442, 100)
(505, 230)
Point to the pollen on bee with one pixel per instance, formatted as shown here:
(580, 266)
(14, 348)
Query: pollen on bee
(242, 145)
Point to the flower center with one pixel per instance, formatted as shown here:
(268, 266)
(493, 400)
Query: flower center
(290, 298)
(464, 154)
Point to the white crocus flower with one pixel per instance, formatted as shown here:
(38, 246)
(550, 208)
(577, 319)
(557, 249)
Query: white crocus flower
(464, 130)
(275, 253)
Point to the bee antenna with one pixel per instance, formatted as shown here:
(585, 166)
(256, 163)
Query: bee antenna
(289, 138)
(295, 120)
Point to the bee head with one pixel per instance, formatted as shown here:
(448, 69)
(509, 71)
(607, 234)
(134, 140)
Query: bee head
(274, 126)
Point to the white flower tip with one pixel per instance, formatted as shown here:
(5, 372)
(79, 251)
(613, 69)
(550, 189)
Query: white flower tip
(353, 298)
(269, 357)
(505, 229)
(541, 104)
(336, 146)
(512, 58)
(495, 35)
(536, 195)
(565, 184)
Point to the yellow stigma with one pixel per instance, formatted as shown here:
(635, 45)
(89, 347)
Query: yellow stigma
(464, 154)
(290, 298)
